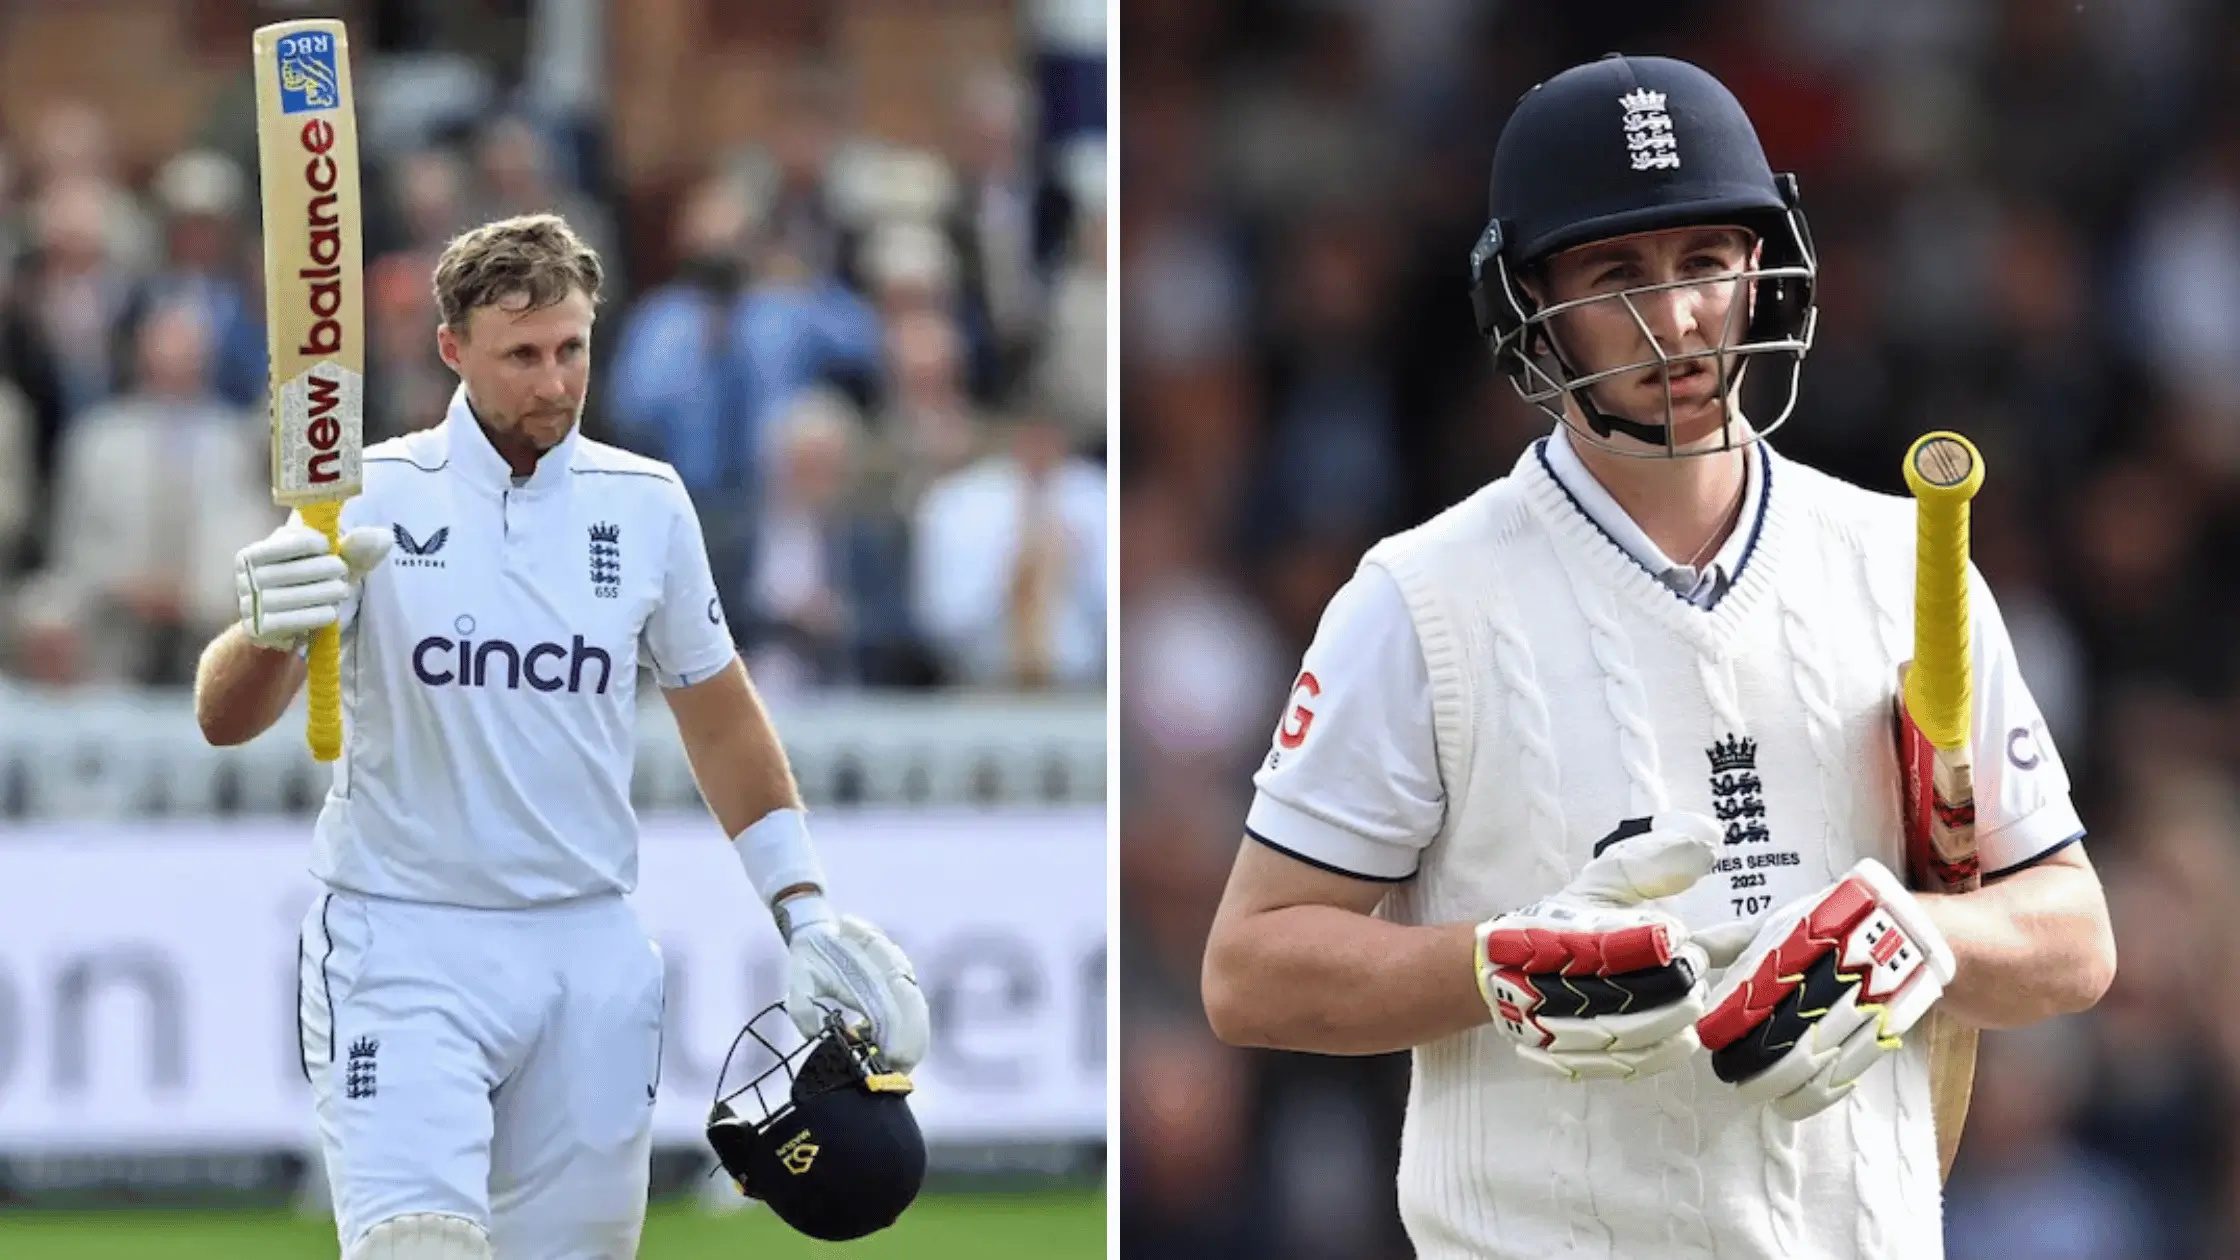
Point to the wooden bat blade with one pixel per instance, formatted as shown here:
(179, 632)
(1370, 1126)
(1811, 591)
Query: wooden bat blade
(307, 150)
(307, 159)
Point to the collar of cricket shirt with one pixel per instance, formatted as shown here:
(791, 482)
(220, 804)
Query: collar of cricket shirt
(474, 459)
(1571, 473)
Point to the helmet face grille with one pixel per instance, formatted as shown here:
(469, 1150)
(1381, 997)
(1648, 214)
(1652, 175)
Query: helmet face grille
(829, 1066)
(1529, 352)
(830, 1061)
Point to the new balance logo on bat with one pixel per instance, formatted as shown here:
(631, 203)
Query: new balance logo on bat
(412, 553)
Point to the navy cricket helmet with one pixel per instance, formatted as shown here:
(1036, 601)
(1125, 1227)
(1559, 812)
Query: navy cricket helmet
(827, 1141)
(1625, 145)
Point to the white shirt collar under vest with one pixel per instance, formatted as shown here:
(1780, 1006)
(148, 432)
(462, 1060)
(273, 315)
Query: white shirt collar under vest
(479, 463)
(1698, 586)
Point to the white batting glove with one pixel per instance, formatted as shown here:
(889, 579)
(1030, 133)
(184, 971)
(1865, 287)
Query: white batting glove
(290, 585)
(1593, 981)
(846, 963)
(1827, 987)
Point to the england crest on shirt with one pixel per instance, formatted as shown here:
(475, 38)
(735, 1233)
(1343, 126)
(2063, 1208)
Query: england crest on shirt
(606, 560)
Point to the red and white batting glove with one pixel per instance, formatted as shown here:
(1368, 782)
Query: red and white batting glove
(1829, 984)
(1594, 982)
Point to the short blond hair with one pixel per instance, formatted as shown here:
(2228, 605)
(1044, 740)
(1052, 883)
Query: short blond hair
(533, 256)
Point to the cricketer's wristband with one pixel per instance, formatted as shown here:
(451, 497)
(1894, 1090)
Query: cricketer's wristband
(777, 854)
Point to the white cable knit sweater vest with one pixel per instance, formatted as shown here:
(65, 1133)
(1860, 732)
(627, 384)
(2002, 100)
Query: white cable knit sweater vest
(1571, 690)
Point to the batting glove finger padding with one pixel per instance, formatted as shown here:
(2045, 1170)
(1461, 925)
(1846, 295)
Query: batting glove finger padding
(1830, 986)
(290, 584)
(280, 576)
(1590, 1065)
(289, 542)
(326, 595)
(1592, 983)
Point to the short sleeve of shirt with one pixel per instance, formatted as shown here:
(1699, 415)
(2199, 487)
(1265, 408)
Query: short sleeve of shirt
(685, 640)
(1352, 782)
(2023, 811)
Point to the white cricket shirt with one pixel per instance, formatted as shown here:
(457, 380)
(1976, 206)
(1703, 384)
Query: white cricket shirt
(1363, 797)
(490, 667)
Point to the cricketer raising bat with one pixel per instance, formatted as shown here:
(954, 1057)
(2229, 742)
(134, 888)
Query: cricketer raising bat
(1936, 715)
(314, 294)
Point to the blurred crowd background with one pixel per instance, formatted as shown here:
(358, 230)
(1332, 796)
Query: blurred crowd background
(857, 256)
(2028, 215)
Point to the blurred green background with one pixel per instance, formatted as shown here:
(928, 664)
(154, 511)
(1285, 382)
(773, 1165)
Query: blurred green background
(1052, 1224)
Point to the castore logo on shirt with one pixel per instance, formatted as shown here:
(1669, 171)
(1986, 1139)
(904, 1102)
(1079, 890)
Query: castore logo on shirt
(416, 554)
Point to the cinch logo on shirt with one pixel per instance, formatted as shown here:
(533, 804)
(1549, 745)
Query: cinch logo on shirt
(441, 661)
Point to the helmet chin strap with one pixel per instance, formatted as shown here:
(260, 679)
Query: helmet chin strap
(1605, 424)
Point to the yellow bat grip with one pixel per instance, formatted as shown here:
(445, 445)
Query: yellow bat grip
(1944, 471)
(325, 728)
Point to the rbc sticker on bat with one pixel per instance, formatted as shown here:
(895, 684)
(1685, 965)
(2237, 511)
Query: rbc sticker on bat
(308, 79)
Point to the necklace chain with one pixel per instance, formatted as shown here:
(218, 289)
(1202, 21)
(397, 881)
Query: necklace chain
(1718, 535)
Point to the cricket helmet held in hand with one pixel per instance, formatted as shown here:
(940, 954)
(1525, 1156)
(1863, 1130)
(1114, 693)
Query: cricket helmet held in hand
(824, 1136)
(1621, 146)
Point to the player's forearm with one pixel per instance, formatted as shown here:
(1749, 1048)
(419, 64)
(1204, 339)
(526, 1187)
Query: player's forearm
(736, 755)
(2032, 946)
(241, 689)
(1326, 980)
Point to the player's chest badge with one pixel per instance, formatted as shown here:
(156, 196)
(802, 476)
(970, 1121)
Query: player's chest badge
(606, 560)
(1736, 791)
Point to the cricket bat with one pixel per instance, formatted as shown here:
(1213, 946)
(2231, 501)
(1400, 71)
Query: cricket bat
(1936, 714)
(314, 294)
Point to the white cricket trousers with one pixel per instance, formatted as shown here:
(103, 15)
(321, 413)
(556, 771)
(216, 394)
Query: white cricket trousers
(498, 1065)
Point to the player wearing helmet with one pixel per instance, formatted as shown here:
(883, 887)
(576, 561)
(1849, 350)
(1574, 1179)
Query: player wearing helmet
(1584, 773)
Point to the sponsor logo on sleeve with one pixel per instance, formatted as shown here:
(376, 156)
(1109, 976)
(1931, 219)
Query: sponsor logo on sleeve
(1296, 723)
